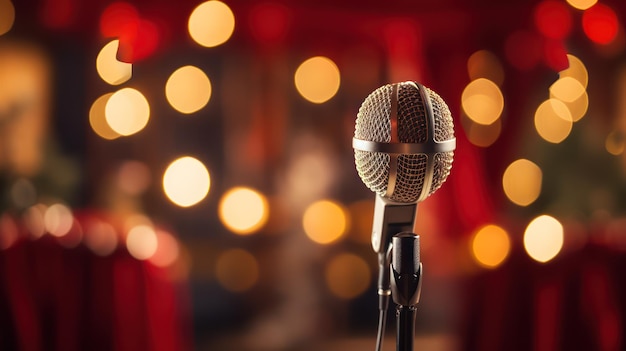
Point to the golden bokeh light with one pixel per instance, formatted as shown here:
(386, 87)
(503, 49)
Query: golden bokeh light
(324, 221)
(237, 270)
(186, 181)
(167, 251)
(582, 4)
(347, 275)
(576, 70)
(142, 242)
(211, 23)
(485, 64)
(543, 238)
(317, 79)
(482, 101)
(567, 89)
(521, 182)
(553, 121)
(98, 121)
(111, 70)
(577, 108)
(58, 220)
(614, 143)
(7, 16)
(100, 237)
(188, 89)
(243, 210)
(127, 111)
(490, 246)
(480, 134)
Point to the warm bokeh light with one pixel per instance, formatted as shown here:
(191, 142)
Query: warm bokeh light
(567, 89)
(168, 249)
(98, 121)
(576, 69)
(521, 182)
(243, 210)
(211, 23)
(347, 275)
(127, 111)
(553, 19)
(9, 230)
(362, 214)
(188, 89)
(100, 237)
(109, 68)
(58, 220)
(553, 121)
(600, 24)
(141, 242)
(324, 221)
(482, 101)
(186, 181)
(485, 64)
(237, 270)
(582, 4)
(7, 16)
(490, 246)
(614, 143)
(34, 220)
(577, 108)
(117, 18)
(317, 79)
(480, 134)
(543, 238)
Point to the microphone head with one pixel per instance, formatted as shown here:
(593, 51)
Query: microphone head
(403, 142)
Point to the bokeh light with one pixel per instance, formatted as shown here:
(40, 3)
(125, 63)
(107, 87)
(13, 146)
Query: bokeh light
(109, 68)
(347, 275)
(119, 17)
(186, 181)
(490, 245)
(577, 108)
(9, 230)
(211, 23)
(34, 220)
(482, 135)
(167, 251)
(100, 237)
(7, 16)
(614, 143)
(141, 242)
(237, 270)
(58, 220)
(243, 210)
(600, 24)
(576, 69)
(553, 121)
(485, 64)
(482, 101)
(543, 238)
(324, 221)
(188, 89)
(362, 214)
(553, 19)
(317, 79)
(133, 177)
(98, 121)
(567, 89)
(582, 4)
(127, 111)
(521, 182)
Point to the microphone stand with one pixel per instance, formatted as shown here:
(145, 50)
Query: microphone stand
(406, 286)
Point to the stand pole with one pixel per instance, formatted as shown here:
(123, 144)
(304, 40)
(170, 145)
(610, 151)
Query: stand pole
(405, 329)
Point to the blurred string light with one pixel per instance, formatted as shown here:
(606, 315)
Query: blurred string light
(553, 121)
(109, 68)
(7, 16)
(553, 19)
(98, 121)
(490, 245)
(522, 182)
(211, 23)
(325, 221)
(600, 24)
(237, 270)
(317, 79)
(141, 242)
(188, 89)
(127, 111)
(582, 4)
(347, 275)
(186, 181)
(543, 238)
(243, 210)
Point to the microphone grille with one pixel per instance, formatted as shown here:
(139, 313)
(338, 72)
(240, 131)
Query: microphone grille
(374, 124)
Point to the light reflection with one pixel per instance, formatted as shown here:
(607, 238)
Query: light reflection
(317, 79)
(211, 23)
(237, 270)
(127, 111)
(324, 221)
(7, 16)
(188, 89)
(347, 275)
(186, 181)
(490, 245)
(543, 238)
(243, 210)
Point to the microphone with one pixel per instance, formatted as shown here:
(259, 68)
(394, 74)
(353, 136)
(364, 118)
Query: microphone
(403, 150)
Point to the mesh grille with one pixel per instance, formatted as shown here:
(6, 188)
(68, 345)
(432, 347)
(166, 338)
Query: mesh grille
(373, 124)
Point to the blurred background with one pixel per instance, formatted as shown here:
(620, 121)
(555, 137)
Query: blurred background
(180, 176)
